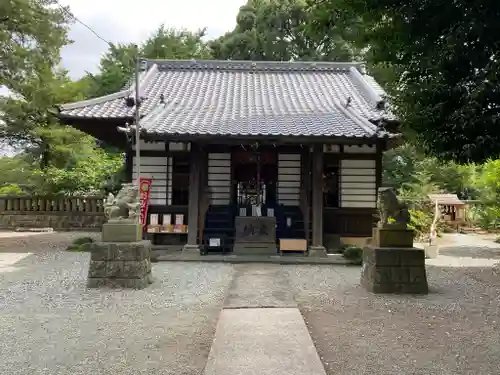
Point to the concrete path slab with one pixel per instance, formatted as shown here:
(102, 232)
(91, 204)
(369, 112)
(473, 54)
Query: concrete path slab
(263, 342)
(259, 285)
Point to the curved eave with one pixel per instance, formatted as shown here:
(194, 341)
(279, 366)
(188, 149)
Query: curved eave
(265, 138)
(104, 129)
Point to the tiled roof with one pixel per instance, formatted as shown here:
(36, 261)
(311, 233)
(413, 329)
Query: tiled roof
(247, 98)
(446, 199)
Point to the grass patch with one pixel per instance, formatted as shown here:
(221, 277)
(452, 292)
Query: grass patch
(80, 244)
(354, 254)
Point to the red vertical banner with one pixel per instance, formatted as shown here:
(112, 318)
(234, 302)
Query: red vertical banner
(144, 190)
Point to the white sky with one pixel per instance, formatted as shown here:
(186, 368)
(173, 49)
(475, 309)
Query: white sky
(134, 21)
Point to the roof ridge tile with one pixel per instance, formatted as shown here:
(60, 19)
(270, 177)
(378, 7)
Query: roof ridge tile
(248, 65)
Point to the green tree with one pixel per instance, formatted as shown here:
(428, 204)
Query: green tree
(15, 173)
(29, 120)
(276, 30)
(488, 187)
(117, 65)
(416, 175)
(448, 96)
(92, 171)
(32, 33)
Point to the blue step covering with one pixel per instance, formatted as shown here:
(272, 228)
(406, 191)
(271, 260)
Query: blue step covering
(220, 224)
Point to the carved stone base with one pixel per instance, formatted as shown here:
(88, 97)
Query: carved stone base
(119, 264)
(392, 237)
(121, 232)
(394, 270)
(317, 251)
(431, 251)
(191, 249)
(255, 248)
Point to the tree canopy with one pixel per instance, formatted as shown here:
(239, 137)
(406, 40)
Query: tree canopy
(448, 94)
(277, 30)
(438, 62)
(117, 65)
(58, 159)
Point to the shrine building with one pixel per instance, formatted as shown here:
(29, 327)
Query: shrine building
(251, 154)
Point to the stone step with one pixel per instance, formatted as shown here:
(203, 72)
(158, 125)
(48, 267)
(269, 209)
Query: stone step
(262, 341)
(257, 248)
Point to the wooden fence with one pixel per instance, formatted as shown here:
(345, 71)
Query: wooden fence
(93, 204)
(59, 213)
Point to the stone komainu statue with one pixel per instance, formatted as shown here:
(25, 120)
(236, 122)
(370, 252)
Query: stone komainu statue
(389, 206)
(125, 205)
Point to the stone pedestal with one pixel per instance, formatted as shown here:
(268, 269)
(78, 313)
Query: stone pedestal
(392, 265)
(317, 251)
(120, 264)
(121, 231)
(192, 249)
(255, 235)
(431, 251)
(394, 270)
(392, 237)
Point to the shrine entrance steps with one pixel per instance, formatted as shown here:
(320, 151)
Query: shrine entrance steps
(260, 329)
(255, 248)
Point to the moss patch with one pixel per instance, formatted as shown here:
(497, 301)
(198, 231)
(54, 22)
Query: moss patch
(80, 244)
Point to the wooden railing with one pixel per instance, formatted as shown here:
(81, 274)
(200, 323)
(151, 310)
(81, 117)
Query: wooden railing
(30, 204)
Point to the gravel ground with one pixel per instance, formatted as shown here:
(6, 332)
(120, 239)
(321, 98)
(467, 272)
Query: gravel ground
(453, 330)
(39, 242)
(51, 324)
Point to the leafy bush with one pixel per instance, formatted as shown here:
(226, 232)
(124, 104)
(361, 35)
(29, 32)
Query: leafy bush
(353, 254)
(487, 215)
(87, 176)
(11, 189)
(420, 222)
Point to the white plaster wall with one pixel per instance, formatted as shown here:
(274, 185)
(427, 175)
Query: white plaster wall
(330, 149)
(358, 184)
(155, 168)
(363, 149)
(219, 178)
(289, 179)
(150, 146)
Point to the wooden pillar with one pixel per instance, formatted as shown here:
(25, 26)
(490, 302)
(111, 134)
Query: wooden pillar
(380, 148)
(317, 247)
(306, 191)
(204, 197)
(129, 165)
(194, 198)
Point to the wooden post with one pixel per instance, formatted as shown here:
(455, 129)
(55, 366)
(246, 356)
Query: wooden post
(204, 199)
(194, 199)
(129, 165)
(317, 247)
(306, 189)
